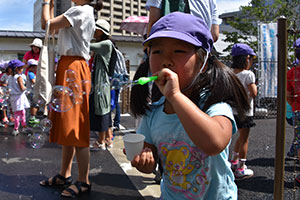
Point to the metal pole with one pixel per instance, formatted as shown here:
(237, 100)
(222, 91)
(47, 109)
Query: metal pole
(281, 109)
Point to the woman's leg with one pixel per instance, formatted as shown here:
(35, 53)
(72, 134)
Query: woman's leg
(68, 153)
(83, 161)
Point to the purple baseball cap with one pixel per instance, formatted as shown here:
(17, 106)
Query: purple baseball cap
(182, 26)
(296, 45)
(15, 63)
(240, 49)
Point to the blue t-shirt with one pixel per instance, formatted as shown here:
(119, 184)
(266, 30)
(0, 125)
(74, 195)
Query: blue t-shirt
(188, 172)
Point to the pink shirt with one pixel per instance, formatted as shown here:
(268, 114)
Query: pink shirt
(30, 55)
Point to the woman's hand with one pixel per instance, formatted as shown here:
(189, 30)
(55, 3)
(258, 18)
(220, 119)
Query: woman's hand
(144, 162)
(168, 82)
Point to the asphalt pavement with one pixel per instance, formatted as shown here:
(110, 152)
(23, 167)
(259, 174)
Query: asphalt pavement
(112, 177)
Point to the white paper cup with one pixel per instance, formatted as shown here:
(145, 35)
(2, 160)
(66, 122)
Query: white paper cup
(134, 144)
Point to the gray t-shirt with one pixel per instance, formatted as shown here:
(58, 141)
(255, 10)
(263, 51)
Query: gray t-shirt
(204, 9)
(75, 40)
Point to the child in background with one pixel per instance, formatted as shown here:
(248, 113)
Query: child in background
(242, 57)
(290, 120)
(18, 99)
(3, 83)
(293, 98)
(190, 128)
(30, 82)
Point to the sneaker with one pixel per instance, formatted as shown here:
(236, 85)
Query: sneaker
(96, 146)
(297, 179)
(34, 120)
(234, 164)
(15, 132)
(110, 145)
(242, 173)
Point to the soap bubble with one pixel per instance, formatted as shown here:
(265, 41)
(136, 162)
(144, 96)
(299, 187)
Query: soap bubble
(46, 124)
(37, 140)
(61, 99)
(99, 88)
(4, 92)
(115, 84)
(76, 92)
(86, 87)
(70, 75)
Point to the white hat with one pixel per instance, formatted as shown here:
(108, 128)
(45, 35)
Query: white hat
(32, 62)
(104, 26)
(37, 42)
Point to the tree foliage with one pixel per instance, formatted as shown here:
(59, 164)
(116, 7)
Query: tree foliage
(246, 21)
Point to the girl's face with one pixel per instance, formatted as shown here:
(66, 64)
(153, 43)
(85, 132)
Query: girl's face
(98, 35)
(177, 55)
(35, 49)
(19, 70)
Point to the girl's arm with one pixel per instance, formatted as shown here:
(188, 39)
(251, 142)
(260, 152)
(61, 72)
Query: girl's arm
(56, 23)
(20, 82)
(146, 161)
(210, 134)
(253, 90)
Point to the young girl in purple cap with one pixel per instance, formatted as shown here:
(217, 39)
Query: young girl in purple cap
(242, 57)
(189, 128)
(18, 99)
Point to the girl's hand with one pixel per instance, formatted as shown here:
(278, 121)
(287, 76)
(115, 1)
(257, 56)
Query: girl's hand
(144, 162)
(168, 82)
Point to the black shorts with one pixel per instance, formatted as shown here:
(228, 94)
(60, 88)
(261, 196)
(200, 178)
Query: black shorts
(246, 123)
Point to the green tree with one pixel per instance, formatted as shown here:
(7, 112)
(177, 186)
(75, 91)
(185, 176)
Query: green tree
(246, 21)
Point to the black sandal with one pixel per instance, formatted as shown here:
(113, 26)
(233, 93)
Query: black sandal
(57, 178)
(78, 185)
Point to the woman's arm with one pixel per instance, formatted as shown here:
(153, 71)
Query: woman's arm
(154, 15)
(56, 23)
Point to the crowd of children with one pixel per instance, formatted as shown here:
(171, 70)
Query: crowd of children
(16, 91)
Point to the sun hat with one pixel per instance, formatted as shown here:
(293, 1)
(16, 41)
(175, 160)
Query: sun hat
(296, 45)
(32, 62)
(104, 26)
(182, 26)
(37, 42)
(241, 49)
(13, 64)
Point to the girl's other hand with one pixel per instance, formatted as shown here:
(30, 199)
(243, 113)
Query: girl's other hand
(168, 82)
(144, 162)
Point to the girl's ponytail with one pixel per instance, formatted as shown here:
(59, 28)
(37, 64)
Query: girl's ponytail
(140, 94)
(223, 85)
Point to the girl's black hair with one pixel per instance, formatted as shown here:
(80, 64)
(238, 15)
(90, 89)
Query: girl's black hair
(223, 84)
(97, 4)
(218, 79)
(240, 62)
(140, 94)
